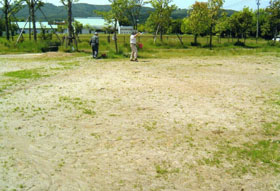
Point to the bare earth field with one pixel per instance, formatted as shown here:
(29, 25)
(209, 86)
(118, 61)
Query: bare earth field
(71, 123)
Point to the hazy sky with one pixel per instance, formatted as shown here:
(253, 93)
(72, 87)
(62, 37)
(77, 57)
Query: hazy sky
(229, 4)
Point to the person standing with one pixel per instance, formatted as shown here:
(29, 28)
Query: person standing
(94, 42)
(133, 56)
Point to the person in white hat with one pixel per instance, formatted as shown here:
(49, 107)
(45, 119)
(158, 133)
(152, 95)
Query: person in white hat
(133, 46)
(94, 43)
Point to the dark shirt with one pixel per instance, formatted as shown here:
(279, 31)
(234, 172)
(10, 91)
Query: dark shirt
(94, 41)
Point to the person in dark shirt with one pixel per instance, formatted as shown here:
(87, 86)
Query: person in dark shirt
(94, 43)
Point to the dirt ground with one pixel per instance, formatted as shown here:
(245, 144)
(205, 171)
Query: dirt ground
(171, 124)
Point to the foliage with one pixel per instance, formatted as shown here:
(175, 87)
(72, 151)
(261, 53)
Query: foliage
(214, 7)
(2, 26)
(133, 8)
(44, 35)
(223, 27)
(61, 28)
(10, 8)
(175, 26)
(78, 27)
(198, 21)
(116, 15)
(159, 20)
(90, 28)
(241, 22)
(68, 5)
(274, 17)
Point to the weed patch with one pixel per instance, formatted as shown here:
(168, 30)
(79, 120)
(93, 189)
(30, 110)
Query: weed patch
(271, 129)
(5, 84)
(149, 126)
(68, 65)
(262, 156)
(24, 74)
(83, 105)
(165, 169)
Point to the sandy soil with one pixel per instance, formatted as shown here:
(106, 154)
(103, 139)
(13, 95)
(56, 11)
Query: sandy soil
(119, 125)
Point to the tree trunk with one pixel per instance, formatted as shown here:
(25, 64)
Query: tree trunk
(275, 35)
(180, 39)
(29, 22)
(195, 39)
(161, 39)
(70, 28)
(155, 37)
(33, 20)
(6, 8)
(211, 36)
(115, 37)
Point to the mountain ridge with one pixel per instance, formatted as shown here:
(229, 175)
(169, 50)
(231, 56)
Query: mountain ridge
(85, 10)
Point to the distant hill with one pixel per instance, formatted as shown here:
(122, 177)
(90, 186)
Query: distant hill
(87, 10)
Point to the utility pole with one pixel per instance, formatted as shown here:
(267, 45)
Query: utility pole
(258, 16)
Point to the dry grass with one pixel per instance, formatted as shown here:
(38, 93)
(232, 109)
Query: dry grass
(199, 123)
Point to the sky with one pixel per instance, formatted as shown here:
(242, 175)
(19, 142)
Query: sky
(229, 4)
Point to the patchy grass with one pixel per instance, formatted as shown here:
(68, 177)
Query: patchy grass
(271, 129)
(24, 74)
(252, 157)
(83, 105)
(164, 169)
(200, 132)
(5, 84)
(149, 126)
(68, 65)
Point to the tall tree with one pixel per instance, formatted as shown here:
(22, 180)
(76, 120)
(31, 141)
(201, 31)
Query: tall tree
(222, 27)
(32, 11)
(214, 7)
(263, 21)
(10, 7)
(2, 26)
(160, 19)
(68, 4)
(242, 23)
(33, 5)
(133, 9)
(198, 20)
(116, 15)
(274, 17)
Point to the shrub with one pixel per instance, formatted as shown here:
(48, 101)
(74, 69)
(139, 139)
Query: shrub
(239, 43)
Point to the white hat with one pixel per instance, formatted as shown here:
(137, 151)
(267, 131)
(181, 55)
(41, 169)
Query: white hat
(95, 33)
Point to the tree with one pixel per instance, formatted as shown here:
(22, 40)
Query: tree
(214, 7)
(78, 27)
(133, 8)
(116, 15)
(68, 5)
(89, 28)
(274, 17)
(175, 26)
(222, 27)
(185, 26)
(10, 7)
(263, 19)
(33, 5)
(2, 27)
(160, 19)
(242, 22)
(198, 22)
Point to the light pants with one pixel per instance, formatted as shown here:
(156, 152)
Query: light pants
(133, 55)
